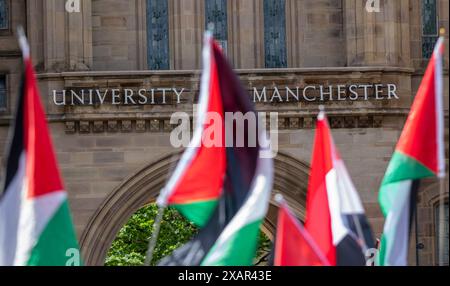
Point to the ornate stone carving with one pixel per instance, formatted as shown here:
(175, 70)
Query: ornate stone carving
(167, 126)
(70, 127)
(308, 123)
(126, 126)
(377, 121)
(98, 127)
(282, 123)
(85, 127)
(363, 122)
(163, 124)
(336, 122)
(113, 126)
(154, 125)
(294, 123)
(349, 122)
(140, 126)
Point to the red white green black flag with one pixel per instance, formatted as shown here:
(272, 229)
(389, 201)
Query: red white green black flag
(224, 190)
(196, 184)
(419, 154)
(35, 222)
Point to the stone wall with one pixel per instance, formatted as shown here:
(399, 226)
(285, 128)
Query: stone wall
(328, 41)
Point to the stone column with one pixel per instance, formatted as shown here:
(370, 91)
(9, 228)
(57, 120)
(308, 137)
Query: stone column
(35, 32)
(295, 29)
(186, 27)
(79, 38)
(246, 34)
(315, 36)
(54, 35)
(67, 37)
(377, 38)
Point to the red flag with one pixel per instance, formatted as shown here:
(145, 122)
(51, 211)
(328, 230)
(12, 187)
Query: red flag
(422, 138)
(294, 246)
(335, 217)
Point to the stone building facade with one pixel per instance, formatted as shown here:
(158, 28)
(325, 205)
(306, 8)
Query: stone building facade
(115, 157)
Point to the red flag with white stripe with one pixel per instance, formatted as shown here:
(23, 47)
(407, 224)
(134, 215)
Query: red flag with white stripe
(334, 214)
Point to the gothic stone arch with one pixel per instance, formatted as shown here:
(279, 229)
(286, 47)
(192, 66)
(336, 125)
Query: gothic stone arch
(291, 177)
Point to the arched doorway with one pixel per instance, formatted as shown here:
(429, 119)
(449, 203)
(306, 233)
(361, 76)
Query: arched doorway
(291, 178)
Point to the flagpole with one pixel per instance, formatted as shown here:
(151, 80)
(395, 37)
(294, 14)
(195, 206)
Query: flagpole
(441, 239)
(442, 189)
(155, 234)
(416, 226)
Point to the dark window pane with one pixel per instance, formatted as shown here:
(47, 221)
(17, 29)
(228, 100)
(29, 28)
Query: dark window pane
(429, 27)
(429, 18)
(4, 14)
(216, 13)
(158, 34)
(275, 33)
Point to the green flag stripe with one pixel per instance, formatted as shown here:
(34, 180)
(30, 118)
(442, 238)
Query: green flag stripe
(56, 241)
(403, 167)
(395, 203)
(198, 213)
(240, 248)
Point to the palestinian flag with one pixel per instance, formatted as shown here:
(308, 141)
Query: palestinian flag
(197, 182)
(293, 244)
(419, 154)
(335, 217)
(35, 223)
(239, 179)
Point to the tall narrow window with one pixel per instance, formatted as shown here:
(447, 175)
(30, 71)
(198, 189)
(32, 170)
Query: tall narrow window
(275, 33)
(216, 13)
(442, 232)
(429, 27)
(158, 34)
(4, 14)
(2, 91)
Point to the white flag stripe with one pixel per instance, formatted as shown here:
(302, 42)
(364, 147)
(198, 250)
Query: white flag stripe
(195, 144)
(10, 207)
(396, 228)
(334, 203)
(254, 209)
(349, 198)
(35, 215)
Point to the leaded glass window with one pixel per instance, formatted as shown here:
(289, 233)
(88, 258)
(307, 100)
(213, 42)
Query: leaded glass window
(429, 27)
(216, 14)
(4, 14)
(275, 33)
(2, 91)
(158, 34)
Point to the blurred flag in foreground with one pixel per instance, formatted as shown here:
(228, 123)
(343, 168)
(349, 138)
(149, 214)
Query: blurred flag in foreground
(197, 182)
(335, 217)
(293, 244)
(35, 223)
(237, 179)
(419, 154)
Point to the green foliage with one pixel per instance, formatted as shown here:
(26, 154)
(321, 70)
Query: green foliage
(130, 246)
(265, 245)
